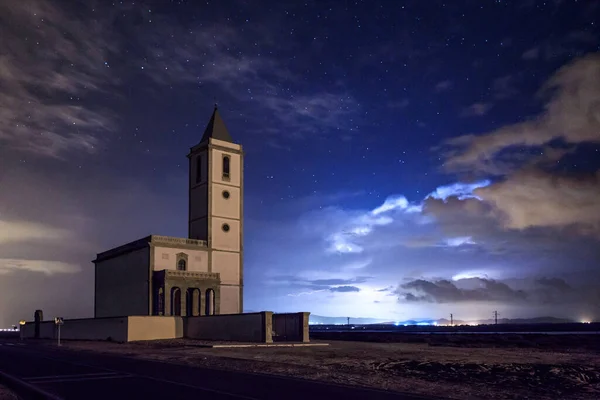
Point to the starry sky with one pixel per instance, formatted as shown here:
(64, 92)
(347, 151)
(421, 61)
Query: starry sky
(404, 159)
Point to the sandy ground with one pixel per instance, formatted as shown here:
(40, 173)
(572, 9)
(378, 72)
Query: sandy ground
(464, 368)
(6, 394)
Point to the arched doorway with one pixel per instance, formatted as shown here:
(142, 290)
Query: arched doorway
(210, 302)
(175, 301)
(192, 307)
(160, 302)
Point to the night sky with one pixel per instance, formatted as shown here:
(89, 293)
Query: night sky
(404, 159)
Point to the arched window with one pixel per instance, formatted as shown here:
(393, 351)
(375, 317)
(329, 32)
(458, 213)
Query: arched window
(198, 169)
(226, 166)
(181, 265)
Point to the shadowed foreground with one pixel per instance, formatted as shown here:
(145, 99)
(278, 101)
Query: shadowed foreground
(85, 375)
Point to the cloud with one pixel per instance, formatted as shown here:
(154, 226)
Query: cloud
(312, 113)
(45, 266)
(74, 220)
(57, 61)
(460, 190)
(344, 289)
(18, 231)
(527, 193)
(572, 114)
(504, 87)
(476, 110)
(449, 252)
(531, 54)
(445, 291)
(443, 86)
(399, 104)
(534, 292)
(534, 198)
(49, 61)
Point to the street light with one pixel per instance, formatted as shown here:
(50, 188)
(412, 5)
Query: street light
(58, 321)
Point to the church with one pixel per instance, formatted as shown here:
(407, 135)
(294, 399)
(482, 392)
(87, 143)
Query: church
(194, 276)
(161, 287)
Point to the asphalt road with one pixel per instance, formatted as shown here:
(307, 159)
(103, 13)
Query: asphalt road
(70, 375)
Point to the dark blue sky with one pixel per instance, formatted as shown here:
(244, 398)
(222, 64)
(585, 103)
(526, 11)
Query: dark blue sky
(351, 115)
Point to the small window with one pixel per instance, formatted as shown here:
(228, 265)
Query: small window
(198, 169)
(226, 194)
(181, 265)
(225, 227)
(226, 166)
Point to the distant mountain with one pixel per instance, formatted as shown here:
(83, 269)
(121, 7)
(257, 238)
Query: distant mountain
(321, 320)
(538, 320)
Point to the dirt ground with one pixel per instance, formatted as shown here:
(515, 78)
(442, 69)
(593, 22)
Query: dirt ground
(6, 394)
(448, 367)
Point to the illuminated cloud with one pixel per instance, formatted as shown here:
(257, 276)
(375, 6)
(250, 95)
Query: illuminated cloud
(344, 289)
(459, 241)
(459, 189)
(21, 231)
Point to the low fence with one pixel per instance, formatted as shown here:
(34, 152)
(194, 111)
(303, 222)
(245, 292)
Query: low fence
(81, 329)
(262, 327)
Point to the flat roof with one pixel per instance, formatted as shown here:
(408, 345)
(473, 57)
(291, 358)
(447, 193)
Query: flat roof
(155, 240)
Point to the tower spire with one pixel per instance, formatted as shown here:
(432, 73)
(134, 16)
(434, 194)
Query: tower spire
(216, 128)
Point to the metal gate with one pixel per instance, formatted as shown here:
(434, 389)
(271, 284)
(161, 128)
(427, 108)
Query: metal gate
(287, 327)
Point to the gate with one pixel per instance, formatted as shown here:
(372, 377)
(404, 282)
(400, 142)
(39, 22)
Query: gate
(287, 327)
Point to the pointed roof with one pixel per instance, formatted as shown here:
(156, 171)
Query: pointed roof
(216, 128)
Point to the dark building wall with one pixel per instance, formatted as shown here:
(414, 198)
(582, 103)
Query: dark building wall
(122, 284)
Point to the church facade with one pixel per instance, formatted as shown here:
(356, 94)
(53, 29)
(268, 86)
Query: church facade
(198, 275)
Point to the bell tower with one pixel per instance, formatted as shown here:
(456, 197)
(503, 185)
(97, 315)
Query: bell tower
(216, 185)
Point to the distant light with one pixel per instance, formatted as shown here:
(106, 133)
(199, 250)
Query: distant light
(585, 322)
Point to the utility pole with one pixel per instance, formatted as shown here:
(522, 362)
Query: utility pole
(451, 320)
(348, 319)
(496, 317)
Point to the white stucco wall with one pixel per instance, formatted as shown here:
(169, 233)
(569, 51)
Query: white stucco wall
(228, 265)
(166, 258)
(230, 300)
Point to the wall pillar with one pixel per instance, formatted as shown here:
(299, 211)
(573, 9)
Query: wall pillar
(267, 327)
(304, 328)
(217, 304)
(182, 300)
